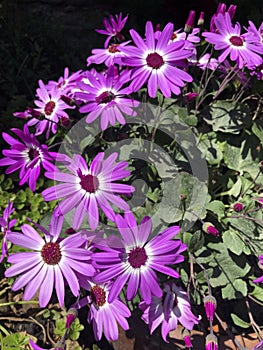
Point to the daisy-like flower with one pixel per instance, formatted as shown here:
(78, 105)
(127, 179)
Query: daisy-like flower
(105, 316)
(228, 38)
(155, 61)
(105, 97)
(109, 55)
(222, 9)
(53, 262)
(5, 227)
(173, 307)
(113, 28)
(28, 155)
(135, 260)
(65, 85)
(259, 279)
(88, 188)
(50, 107)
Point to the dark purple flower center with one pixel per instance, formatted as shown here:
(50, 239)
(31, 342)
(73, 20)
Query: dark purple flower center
(154, 60)
(113, 48)
(89, 183)
(236, 40)
(33, 153)
(137, 257)
(49, 107)
(98, 296)
(174, 36)
(105, 97)
(51, 253)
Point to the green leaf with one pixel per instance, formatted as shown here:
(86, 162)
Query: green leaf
(239, 322)
(227, 116)
(15, 341)
(234, 290)
(217, 207)
(211, 148)
(197, 241)
(257, 292)
(233, 242)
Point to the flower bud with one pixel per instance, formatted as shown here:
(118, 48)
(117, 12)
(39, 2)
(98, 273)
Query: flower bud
(69, 101)
(187, 339)
(190, 22)
(200, 21)
(210, 228)
(211, 342)
(238, 207)
(210, 307)
(71, 316)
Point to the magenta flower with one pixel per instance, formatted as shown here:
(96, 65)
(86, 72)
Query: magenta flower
(5, 226)
(259, 346)
(65, 85)
(222, 9)
(28, 155)
(109, 55)
(211, 229)
(242, 49)
(155, 61)
(259, 279)
(50, 110)
(172, 307)
(135, 260)
(105, 316)
(210, 306)
(105, 97)
(88, 188)
(52, 263)
(113, 28)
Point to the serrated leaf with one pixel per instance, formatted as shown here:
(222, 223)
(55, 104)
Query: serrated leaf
(239, 322)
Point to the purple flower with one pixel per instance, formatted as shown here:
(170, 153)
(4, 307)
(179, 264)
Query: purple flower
(50, 109)
(135, 260)
(28, 155)
(109, 55)
(259, 279)
(222, 9)
(238, 207)
(88, 188)
(6, 225)
(155, 61)
(259, 346)
(54, 262)
(105, 97)
(65, 85)
(211, 342)
(113, 28)
(242, 49)
(169, 309)
(210, 306)
(105, 316)
(206, 62)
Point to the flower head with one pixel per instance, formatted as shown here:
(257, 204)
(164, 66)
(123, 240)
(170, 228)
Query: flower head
(222, 9)
(238, 207)
(28, 155)
(53, 262)
(51, 107)
(104, 97)
(172, 307)
(136, 259)
(65, 84)
(5, 227)
(155, 61)
(228, 38)
(109, 55)
(211, 229)
(113, 28)
(105, 316)
(211, 342)
(88, 188)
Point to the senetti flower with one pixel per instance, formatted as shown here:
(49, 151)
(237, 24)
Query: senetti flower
(105, 316)
(168, 310)
(155, 62)
(242, 49)
(52, 263)
(104, 97)
(88, 188)
(50, 107)
(66, 84)
(113, 28)
(222, 9)
(28, 155)
(136, 259)
(108, 56)
(5, 227)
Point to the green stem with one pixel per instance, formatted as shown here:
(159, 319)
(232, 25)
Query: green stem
(18, 303)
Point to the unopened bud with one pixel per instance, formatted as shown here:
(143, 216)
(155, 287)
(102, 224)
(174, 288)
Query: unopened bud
(210, 307)
(35, 114)
(201, 20)
(189, 25)
(211, 342)
(71, 316)
(210, 228)
(187, 339)
(238, 207)
(69, 101)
